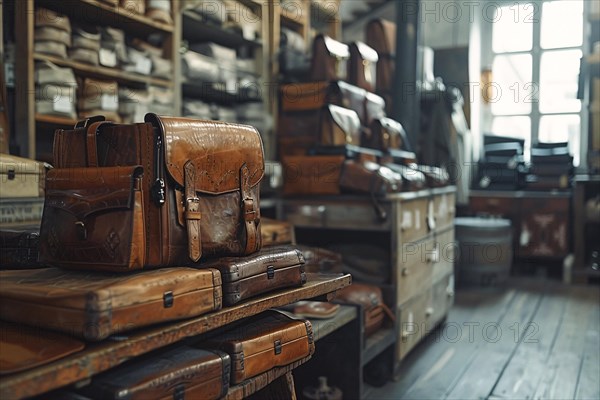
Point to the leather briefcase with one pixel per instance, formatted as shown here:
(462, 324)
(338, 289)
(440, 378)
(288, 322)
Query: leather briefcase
(265, 341)
(276, 232)
(95, 305)
(94, 219)
(370, 298)
(182, 372)
(381, 35)
(268, 270)
(24, 348)
(329, 60)
(308, 175)
(339, 126)
(362, 66)
(201, 182)
(385, 134)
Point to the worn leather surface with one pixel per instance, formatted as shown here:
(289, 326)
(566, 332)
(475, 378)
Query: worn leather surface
(339, 126)
(312, 174)
(195, 373)
(316, 309)
(251, 344)
(362, 66)
(320, 260)
(304, 96)
(329, 59)
(93, 218)
(412, 179)
(25, 348)
(96, 305)
(369, 177)
(371, 299)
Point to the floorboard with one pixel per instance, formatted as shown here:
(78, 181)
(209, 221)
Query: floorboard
(588, 385)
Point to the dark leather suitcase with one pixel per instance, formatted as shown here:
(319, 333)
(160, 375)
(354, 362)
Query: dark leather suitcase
(183, 372)
(268, 270)
(265, 341)
(19, 248)
(97, 305)
(362, 66)
(329, 59)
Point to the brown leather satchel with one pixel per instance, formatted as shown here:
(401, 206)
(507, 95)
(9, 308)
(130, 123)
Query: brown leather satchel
(329, 61)
(370, 298)
(385, 134)
(95, 306)
(362, 66)
(339, 126)
(381, 35)
(308, 175)
(183, 372)
(200, 184)
(268, 270)
(260, 343)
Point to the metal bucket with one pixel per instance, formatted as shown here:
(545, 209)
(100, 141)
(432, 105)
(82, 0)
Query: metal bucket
(484, 251)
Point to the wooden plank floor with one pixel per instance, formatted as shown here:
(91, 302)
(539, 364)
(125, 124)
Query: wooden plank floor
(531, 340)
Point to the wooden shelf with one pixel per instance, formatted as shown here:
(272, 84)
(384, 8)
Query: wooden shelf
(99, 72)
(209, 93)
(95, 12)
(54, 121)
(323, 327)
(99, 357)
(196, 29)
(292, 20)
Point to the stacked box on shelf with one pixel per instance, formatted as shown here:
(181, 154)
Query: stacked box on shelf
(551, 167)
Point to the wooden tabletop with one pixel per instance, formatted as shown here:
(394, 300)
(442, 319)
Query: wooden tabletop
(98, 357)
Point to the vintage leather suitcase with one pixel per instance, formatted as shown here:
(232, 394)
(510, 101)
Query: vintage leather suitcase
(362, 66)
(275, 232)
(270, 269)
(339, 126)
(201, 181)
(95, 305)
(19, 247)
(24, 348)
(329, 59)
(370, 298)
(182, 372)
(265, 341)
(385, 134)
(309, 175)
(381, 35)
(21, 177)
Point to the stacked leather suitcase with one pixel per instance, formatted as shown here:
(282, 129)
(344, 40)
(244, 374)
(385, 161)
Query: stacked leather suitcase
(551, 167)
(503, 164)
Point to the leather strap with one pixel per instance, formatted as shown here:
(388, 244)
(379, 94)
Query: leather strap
(91, 146)
(249, 211)
(192, 213)
(85, 122)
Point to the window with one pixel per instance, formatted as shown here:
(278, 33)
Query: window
(537, 46)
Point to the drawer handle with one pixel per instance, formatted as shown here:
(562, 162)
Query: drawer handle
(429, 311)
(405, 272)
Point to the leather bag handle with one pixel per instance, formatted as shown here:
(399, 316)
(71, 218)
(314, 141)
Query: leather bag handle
(91, 143)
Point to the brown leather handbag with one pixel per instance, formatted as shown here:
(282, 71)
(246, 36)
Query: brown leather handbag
(339, 126)
(362, 66)
(329, 61)
(385, 134)
(200, 184)
(370, 298)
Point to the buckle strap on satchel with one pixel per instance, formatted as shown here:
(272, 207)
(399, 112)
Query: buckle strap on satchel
(249, 211)
(91, 145)
(192, 213)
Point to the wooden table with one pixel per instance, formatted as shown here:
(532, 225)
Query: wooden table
(99, 357)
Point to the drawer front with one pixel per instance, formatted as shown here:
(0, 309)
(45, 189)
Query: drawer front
(444, 208)
(415, 219)
(448, 250)
(494, 206)
(413, 323)
(338, 215)
(442, 300)
(415, 266)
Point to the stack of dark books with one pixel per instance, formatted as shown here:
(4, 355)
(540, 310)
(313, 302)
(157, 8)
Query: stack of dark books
(502, 166)
(551, 167)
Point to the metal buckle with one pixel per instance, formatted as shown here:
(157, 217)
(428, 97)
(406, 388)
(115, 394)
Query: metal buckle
(84, 123)
(249, 207)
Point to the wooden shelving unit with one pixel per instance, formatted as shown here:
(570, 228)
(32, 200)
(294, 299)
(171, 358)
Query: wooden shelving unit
(96, 358)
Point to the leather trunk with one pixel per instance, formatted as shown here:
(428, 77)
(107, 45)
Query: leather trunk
(182, 372)
(260, 343)
(201, 181)
(329, 59)
(268, 270)
(339, 126)
(309, 175)
(95, 305)
(370, 298)
(276, 232)
(21, 177)
(362, 66)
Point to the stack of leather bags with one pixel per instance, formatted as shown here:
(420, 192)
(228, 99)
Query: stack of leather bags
(86, 44)
(52, 33)
(503, 164)
(551, 167)
(98, 97)
(56, 90)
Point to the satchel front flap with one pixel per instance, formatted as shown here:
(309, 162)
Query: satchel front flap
(159, 376)
(334, 48)
(236, 268)
(350, 96)
(364, 51)
(86, 191)
(96, 291)
(346, 119)
(260, 333)
(367, 296)
(218, 150)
